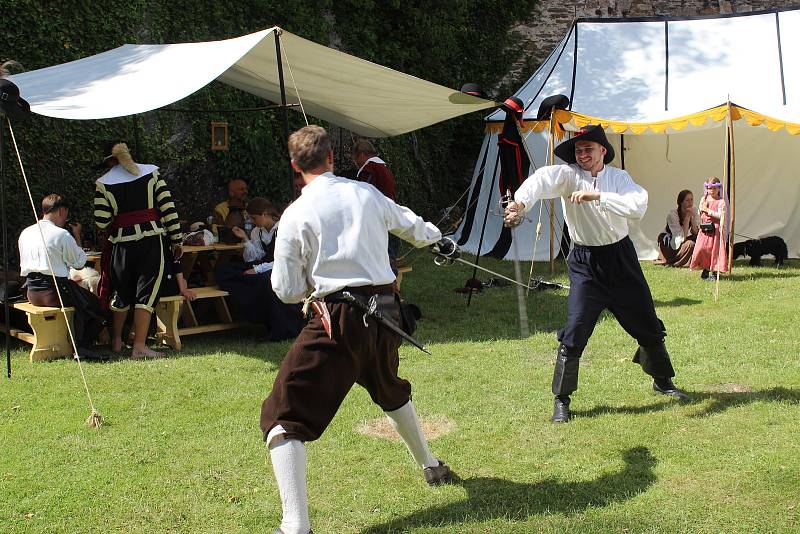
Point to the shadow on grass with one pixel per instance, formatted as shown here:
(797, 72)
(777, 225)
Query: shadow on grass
(720, 401)
(677, 301)
(756, 275)
(492, 498)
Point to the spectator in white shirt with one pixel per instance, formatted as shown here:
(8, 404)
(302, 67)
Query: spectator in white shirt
(63, 250)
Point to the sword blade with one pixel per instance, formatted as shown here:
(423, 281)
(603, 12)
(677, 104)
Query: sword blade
(465, 262)
(400, 332)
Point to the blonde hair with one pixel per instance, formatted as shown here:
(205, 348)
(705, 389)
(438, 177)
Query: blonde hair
(309, 147)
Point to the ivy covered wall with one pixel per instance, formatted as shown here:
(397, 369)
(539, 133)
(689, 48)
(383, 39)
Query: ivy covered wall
(446, 42)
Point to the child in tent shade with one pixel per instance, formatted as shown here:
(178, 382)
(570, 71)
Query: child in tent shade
(711, 251)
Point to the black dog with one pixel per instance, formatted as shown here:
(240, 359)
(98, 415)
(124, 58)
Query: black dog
(755, 248)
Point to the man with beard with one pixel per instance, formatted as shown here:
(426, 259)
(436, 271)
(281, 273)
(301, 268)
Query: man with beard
(603, 268)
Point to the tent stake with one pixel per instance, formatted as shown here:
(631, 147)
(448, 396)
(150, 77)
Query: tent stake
(284, 112)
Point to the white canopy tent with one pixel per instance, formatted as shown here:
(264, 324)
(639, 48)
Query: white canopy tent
(660, 88)
(366, 98)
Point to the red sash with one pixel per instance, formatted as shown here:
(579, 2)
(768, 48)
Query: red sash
(122, 220)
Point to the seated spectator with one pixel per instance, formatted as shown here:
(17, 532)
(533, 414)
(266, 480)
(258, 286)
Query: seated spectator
(64, 252)
(676, 243)
(250, 283)
(231, 212)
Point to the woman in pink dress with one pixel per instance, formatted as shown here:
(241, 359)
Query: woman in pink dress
(711, 251)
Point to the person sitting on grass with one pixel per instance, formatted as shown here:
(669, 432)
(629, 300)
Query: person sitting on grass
(676, 243)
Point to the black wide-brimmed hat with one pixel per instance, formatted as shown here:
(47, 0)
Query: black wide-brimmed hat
(566, 150)
(474, 89)
(17, 109)
(515, 106)
(547, 105)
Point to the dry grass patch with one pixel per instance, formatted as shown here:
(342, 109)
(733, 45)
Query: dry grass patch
(731, 387)
(433, 426)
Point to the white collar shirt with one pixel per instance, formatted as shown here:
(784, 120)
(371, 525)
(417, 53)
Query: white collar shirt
(64, 251)
(373, 159)
(255, 248)
(335, 235)
(594, 223)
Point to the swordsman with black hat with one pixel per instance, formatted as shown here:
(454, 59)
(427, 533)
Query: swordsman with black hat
(332, 251)
(133, 204)
(604, 271)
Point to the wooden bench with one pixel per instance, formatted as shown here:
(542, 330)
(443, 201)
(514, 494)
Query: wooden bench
(50, 338)
(170, 309)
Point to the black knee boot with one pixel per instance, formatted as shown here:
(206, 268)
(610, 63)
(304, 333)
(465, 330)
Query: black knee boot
(565, 381)
(655, 362)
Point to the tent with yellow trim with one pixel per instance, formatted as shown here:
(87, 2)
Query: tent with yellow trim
(660, 87)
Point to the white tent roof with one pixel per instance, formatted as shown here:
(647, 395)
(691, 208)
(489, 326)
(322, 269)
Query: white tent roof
(361, 96)
(651, 70)
(670, 79)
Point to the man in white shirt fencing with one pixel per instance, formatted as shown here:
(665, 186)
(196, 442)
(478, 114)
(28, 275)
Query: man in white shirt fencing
(603, 268)
(64, 253)
(331, 250)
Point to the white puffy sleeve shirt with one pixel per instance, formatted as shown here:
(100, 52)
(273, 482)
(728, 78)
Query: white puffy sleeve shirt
(255, 247)
(335, 236)
(64, 251)
(594, 223)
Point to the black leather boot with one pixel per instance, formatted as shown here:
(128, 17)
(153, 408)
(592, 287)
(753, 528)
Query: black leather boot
(565, 382)
(561, 413)
(655, 362)
(666, 387)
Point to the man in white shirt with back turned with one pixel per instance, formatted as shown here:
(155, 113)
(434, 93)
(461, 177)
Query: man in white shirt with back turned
(604, 271)
(64, 253)
(332, 248)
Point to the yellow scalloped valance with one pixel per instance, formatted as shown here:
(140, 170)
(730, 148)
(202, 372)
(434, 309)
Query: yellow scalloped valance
(569, 120)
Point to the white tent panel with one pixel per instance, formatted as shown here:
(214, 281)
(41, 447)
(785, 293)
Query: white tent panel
(488, 197)
(364, 97)
(621, 73)
(712, 58)
(664, 165)
(130, 79)
(790, 46)
(541, 85)
(621, 70)
(766, 188)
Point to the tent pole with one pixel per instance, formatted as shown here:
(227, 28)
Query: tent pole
(732, 185)
(284, 109)
(483, 228)
(5, 251)
(551, 161)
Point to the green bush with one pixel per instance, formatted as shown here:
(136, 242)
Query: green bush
(448, 43)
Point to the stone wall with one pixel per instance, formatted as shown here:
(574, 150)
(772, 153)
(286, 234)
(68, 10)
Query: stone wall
(551, 19)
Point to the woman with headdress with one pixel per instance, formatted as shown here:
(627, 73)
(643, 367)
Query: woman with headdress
(676, 242)
(711, 251)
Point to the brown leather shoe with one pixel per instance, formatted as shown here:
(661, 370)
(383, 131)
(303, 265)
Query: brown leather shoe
(438, 474)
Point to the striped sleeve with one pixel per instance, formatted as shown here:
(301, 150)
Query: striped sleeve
(103, 214)
(169, 215)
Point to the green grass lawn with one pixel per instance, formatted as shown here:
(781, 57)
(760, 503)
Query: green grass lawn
(181, 450)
